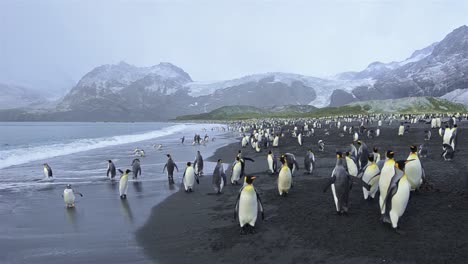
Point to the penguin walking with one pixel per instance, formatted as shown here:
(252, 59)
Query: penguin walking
(284, 178)
(321, 145)
(111, 171)
(219, 177)
(123, 183)
(340, 182)
(272, 164)
(309, 162)
(370, 175)
(236, 171)
(414, 170)
(248, 203)
(386, 174)
(397, 195)
(170, 166)
(198, 164)
(448, 152)
(189, 178)
(69, 196)
(136, 168)
(48, 171)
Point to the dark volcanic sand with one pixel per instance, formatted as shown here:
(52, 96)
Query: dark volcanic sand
(304, 228)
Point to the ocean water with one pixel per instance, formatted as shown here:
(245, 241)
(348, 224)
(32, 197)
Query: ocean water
(36, 227)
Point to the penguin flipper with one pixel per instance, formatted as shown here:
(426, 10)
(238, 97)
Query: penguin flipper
(392, 189)
(329, 183)
(236, 208)
(121, 172)
(260, 204)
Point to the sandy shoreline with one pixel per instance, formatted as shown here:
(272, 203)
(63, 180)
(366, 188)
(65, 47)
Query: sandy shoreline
(303, 228)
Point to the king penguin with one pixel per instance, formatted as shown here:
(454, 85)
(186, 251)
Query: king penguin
(219, 177)
(247, 206)
(351, 165)
(47, 171)
(111, 171)
(414, 171)
(401, 130)
(340, 182)
(123, 183)
(236, 171)
(370, 176)
(136, 168)
(69, 196)
(189, 178)
(309, 162)
(272, 164)
(397, 196)
(284, 178)
(386, 174)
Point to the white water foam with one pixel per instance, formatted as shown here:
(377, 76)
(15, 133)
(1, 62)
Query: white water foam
(24, 155)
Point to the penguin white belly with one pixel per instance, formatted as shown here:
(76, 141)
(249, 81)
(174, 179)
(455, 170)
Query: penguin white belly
(68, 197)
(433, 123)
(275, 142)
(413, 172)
(401, 130)
(399, 202)
(270, 164)
(123, 185)
(248, 208)
(257, 148)
(438, 122)
(335, 198)
(244, 142)
(189, 178)
(352, 168)
(356, 136)
(447, 136)
(299, 140)
(236, 171)
(284, 180)
(385, 177)
(371, 171)
(46, 173)
(221, 185)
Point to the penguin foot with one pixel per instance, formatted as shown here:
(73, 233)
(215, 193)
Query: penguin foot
(123, 196)
(399, 232)
(243, 230)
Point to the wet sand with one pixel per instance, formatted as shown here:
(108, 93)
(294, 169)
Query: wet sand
(303, 228)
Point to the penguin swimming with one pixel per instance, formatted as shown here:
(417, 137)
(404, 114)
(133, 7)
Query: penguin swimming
(47, 171)
(248, 203)
(69, 196)
(284, 178)
(170, 165)
(340, 182)
(386, 174)
(219, 177)
(370, 175)
(123, 183)
(189, 178)
(397, 196)
(136, 168)
(414, 170)
(111, 171)
(272, 164)
(309, 162)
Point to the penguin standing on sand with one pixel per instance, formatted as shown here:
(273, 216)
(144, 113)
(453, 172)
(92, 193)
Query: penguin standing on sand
(236, 171)
(423, 152)
(291, 162)
(198, 164)
(375, 152)
(123, 183)
(69, 196)
(272, 164)
(248, 203)
(427, 135)
(47, 171)
(448, 152)
(111, 171)
(321, 145)
(363, 154)
(170, 165)
(136, 168)
(189, 178)
(299, 139)
(340, 182)
(414, 170)
(350, 165)
(219, 177)
(370, 176)
(397, 196)
(401, 130)
(276, 141)
(309, 162)
(386, 174)
(284, 178)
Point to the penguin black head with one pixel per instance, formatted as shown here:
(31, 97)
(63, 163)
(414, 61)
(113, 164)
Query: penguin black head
(238, 158)
(189, 164)
(401, 164)
(370, 158)
(390, 154)
(283, 159)
(375, 149)
(359, 142)
(168, 155)
(413, 148)
(220, 160)
(339, 154)
(110, 161)
(68, 186)
(347, 153)
(455, 125)
(127, 171)
(240, 151)
(269, 152)
(249, 179)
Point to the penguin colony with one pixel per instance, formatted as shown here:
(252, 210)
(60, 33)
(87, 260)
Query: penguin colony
(384, 179)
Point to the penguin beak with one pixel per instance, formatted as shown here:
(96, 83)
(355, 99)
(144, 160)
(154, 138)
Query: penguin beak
(253, 177)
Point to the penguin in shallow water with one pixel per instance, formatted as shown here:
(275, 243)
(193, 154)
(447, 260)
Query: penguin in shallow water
(248, 203)
(170, 165)
(189, 178)
(284, 178)
(136, 168)
(111, 171)
(309, 162)
(69, 196)
(397, 195)
(341, 183)
(219, 177)
(198, 164)
(47, 171)
(386, 174)
(123, 183)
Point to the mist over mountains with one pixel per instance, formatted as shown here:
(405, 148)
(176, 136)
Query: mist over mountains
(164, 91)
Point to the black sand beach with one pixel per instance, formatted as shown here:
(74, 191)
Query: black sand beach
(303, 228)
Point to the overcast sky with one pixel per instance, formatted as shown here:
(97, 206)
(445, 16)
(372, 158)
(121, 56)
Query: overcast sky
(51, 44)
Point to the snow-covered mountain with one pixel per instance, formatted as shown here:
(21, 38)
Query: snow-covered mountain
(14, 96)
(457, 96)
